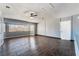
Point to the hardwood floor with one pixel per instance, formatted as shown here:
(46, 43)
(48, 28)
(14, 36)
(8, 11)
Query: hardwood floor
(37, 46)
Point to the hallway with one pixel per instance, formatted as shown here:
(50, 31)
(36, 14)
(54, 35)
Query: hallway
(37, 46)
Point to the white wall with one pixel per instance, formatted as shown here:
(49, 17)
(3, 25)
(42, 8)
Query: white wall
(41, 28)
(1, 30)
(52, 27)
(76, 33)
(49, 26)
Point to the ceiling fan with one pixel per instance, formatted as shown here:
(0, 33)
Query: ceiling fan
(33, 14)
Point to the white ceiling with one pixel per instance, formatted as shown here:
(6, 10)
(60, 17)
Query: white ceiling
(22, 7)
(66, 9)
(17, 10)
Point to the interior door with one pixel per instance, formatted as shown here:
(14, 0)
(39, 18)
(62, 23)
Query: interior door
(65, 29)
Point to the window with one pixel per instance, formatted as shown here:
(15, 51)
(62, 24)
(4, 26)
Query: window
(17, 28)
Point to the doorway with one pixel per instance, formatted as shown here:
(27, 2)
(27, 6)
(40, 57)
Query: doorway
(65, 29)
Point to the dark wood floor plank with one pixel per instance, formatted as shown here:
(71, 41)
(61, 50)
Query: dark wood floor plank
(37, 46)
